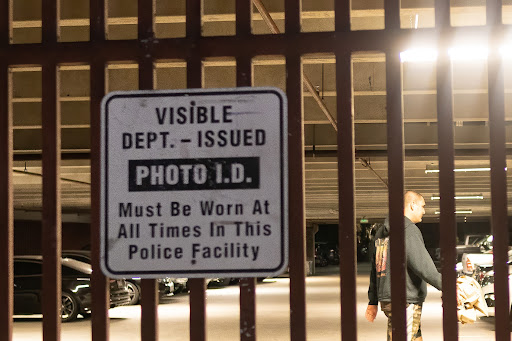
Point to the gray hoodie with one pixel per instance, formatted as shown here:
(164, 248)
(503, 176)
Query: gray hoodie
(420, 267)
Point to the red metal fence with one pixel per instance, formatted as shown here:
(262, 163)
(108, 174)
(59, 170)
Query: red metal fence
(145, 50)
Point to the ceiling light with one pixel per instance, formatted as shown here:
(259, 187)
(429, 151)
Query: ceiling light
(462, 52)
(468, 52)
(475, 169)
(461, 197)
(458, 212)
(419, 55)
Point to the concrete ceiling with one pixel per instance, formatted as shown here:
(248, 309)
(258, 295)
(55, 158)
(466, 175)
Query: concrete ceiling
(470, 101)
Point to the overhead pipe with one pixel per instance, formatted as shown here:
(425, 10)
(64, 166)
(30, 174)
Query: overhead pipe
(309, 86)
(366, 164)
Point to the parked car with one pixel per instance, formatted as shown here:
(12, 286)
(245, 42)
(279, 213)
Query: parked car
(485, 277)
(76, 288)
(166, 287)
(471, 260)
(474, 243)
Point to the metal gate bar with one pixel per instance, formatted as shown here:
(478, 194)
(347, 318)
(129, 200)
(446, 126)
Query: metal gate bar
(145, 28)
(396, 175)
(346, 197)
(296, 175)
(395, 142)
(396, 191)
(244, 78)
(244, 74)
(194, 80)
(293, 44)
(499, 221)
(447, 223)
(6, 186)
(222, 46)
(99, 283)
(52, 229)
(51, 224)
(296, 196)
(346, 176)
(197, 285)
(6, 194)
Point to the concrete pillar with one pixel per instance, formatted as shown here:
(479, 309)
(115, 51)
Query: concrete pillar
(311, 230)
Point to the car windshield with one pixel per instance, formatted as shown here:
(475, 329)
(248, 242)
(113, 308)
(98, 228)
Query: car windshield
(77, 265)
(485, 239)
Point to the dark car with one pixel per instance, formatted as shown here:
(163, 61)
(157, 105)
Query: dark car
(76, 288)
(165, 285)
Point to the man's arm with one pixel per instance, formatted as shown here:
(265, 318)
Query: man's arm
(371, 312)
(372, 289)
(419, 260)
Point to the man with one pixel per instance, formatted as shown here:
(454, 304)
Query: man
(420, 269)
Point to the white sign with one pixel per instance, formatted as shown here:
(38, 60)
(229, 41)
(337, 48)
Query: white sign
(194, 183)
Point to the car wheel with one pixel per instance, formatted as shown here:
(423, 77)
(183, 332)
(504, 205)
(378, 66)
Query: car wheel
(70, 307)
(134, 292)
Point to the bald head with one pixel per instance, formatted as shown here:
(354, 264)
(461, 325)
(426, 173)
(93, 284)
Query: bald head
(414, 206)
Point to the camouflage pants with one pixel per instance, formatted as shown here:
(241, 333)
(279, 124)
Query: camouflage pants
(413, 320)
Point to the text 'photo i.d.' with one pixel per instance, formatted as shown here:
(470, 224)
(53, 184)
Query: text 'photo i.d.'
(194, 183)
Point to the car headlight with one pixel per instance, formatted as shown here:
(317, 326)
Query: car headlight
(488, 279)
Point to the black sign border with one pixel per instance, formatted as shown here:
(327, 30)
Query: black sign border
(158, 93)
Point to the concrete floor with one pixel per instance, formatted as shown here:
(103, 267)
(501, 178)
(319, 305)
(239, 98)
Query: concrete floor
(323, 321)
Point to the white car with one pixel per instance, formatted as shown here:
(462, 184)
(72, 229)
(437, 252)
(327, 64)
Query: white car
(487, 284)
(471, 260)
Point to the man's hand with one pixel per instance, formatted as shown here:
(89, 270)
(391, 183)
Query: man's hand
(371, 312)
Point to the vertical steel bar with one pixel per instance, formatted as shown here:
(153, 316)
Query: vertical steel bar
(50, 15)
(51, 241)
(5, 22)
(395, 173)
(296, 197)
(194, 80)
(100, 288)
(392, 14)
(244, 78)
(197, 309)
(193, 22)
(448, 224)
(243, 18)
(346, 198)
(247, 285)
(6, 205)
(6, 189)
(149, 299)
(248, 309)
(342, 16)
(499, 221)
(396, 191)
(292, 11)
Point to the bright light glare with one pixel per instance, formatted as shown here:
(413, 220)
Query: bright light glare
(483, 169)
(419, 55)
(477, 52)
(460, 197)
(468, 52)
(458, 212)
(506, 51)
